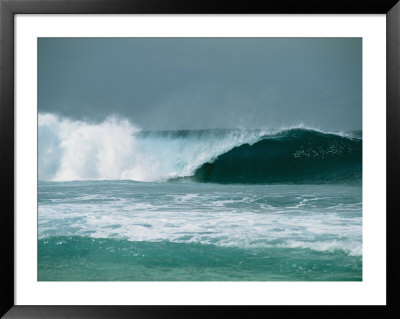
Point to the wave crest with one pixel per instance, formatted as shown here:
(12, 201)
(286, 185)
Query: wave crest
(296, 155)
(117, 150)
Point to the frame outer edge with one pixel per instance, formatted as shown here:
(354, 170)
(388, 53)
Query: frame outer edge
(7, 290)
(393, 153)
(7, 156)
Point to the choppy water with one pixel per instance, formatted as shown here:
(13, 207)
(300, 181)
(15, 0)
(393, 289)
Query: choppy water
(176, 231)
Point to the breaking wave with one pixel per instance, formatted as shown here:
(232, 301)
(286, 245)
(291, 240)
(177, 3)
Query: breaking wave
(117, 150)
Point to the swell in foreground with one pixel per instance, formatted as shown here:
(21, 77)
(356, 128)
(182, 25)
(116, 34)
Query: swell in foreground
(124, 230)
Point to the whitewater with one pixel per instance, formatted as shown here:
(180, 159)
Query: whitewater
(116, 202)
(117, 150)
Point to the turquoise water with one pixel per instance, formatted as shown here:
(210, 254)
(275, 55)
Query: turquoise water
(189, 231)
(118, 203)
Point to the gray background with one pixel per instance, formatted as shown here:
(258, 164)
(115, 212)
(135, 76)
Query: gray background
(194, 83)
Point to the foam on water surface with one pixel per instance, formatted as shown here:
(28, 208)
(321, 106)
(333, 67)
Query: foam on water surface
(240, 216)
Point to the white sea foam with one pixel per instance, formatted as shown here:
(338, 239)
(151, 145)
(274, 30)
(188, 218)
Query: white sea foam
(114, 150)
(212, 216)
(352, 247)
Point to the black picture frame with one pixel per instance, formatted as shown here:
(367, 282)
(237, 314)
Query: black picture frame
(8, 8)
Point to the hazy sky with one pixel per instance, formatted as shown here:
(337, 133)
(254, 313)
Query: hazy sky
(193, 83)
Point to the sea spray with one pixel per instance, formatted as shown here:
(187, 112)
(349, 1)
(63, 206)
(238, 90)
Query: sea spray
(117, 150)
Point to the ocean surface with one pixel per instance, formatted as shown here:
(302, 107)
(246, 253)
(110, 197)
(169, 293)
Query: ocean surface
(210, 205)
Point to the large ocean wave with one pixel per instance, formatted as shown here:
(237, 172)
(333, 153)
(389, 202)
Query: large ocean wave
(296, 155)
(117, 150)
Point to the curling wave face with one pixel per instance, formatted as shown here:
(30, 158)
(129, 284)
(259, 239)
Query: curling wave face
(296, 155)
(117, 150)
